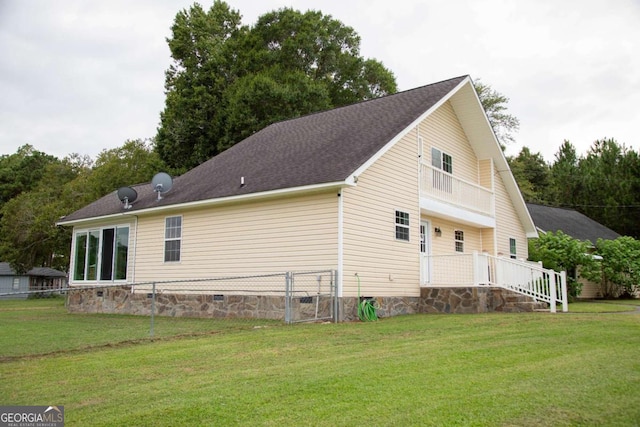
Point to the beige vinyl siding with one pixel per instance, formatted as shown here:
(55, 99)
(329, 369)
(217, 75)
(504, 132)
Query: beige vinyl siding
(99, 226)
(508, 223)
(385, 266)
(442, 130)
(445, 243)
(258, 237)
(485, 173)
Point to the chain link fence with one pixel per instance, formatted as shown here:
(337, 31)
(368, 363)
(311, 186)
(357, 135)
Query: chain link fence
(290, 296)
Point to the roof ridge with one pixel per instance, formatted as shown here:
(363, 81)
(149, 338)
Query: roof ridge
(364, 101)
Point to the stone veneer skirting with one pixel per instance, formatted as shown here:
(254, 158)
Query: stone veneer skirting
(432, 300)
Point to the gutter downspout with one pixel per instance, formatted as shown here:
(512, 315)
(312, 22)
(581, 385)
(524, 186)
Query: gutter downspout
(339, 288)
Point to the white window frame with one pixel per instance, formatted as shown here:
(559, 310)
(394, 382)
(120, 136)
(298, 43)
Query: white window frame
(16, 283)
(439, 160)
(402, 228)
(513, 248)
(458, 236)
(172, 237)
(100, 246)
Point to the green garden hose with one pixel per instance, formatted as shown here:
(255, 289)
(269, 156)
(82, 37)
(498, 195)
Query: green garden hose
(366, 308)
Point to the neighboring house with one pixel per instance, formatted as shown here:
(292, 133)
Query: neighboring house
(576, 225)
(396, 194)
(36, 279)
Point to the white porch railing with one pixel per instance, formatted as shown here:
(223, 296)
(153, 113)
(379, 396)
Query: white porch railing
(443, 186)
(477, 269)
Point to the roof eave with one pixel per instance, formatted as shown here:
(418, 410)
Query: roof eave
(349, 182)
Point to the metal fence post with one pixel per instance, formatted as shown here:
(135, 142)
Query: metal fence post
(287, 297)
(153, 307)
(334, 286)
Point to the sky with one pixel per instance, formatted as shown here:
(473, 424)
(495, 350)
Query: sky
(80, 76)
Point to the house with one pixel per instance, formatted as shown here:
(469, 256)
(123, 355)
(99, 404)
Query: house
(406, 197)
(576, 225)
(36, 279)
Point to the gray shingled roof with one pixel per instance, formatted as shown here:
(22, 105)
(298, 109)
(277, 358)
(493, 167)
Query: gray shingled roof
(570, 222)
(6, 270)
(316, 149)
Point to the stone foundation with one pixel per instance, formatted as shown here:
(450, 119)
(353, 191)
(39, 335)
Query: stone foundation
(475, 300)
(122, 301)
(432, 300)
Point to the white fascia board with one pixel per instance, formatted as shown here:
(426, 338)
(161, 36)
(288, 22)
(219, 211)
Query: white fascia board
(213, 202)
(354, 176)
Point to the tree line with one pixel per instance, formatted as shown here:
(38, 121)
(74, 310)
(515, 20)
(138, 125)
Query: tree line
(603, 183)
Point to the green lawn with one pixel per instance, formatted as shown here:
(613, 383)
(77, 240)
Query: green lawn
(536, 369)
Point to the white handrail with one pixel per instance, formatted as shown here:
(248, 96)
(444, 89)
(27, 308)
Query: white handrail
(477, 269)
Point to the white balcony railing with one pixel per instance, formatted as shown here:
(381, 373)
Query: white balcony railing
(445, 187)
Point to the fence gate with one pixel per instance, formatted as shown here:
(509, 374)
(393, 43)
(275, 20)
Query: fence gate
(310, 296)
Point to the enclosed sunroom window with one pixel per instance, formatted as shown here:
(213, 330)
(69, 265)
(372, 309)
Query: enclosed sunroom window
(101, 253)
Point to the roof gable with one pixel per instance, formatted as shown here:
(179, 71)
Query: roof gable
(570, 222)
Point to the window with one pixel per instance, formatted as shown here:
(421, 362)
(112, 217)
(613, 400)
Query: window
(16, 283)
(172, 238)
(512, 248)
(442, 169)
(459, 239)
(101, 253)
(402, 226)
(441, 160)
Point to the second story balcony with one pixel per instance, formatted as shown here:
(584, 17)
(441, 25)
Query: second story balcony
(443, 194)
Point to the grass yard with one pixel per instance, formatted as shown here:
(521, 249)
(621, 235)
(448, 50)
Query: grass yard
(534, 369)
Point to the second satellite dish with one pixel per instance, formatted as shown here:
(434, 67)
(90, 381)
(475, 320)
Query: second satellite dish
(161, 183)
(127, 195)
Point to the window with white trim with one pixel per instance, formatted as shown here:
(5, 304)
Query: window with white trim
(512, 248)
(101, 254)
(459, 240)
(16, 283)
(442, 170)
(172, 238)
(402, 226)
(441, 160)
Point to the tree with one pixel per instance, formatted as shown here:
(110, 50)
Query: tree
(620, 266)
(132, 163)
(190, 124)
(564, 176)
(559, 251)
(494, 104)
(22, 171)
(609, 178)
(532, 175)
(228, 81)
(28, 234)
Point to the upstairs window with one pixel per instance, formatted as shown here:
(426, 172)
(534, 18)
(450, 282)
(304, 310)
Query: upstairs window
(441, 160)
(459, 240)
(172, 238)
(101, 254)
(442, 169)
(402, 226)
(512, 248)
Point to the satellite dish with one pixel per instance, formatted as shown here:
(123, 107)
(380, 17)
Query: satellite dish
(127, 195)
(161, 183)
